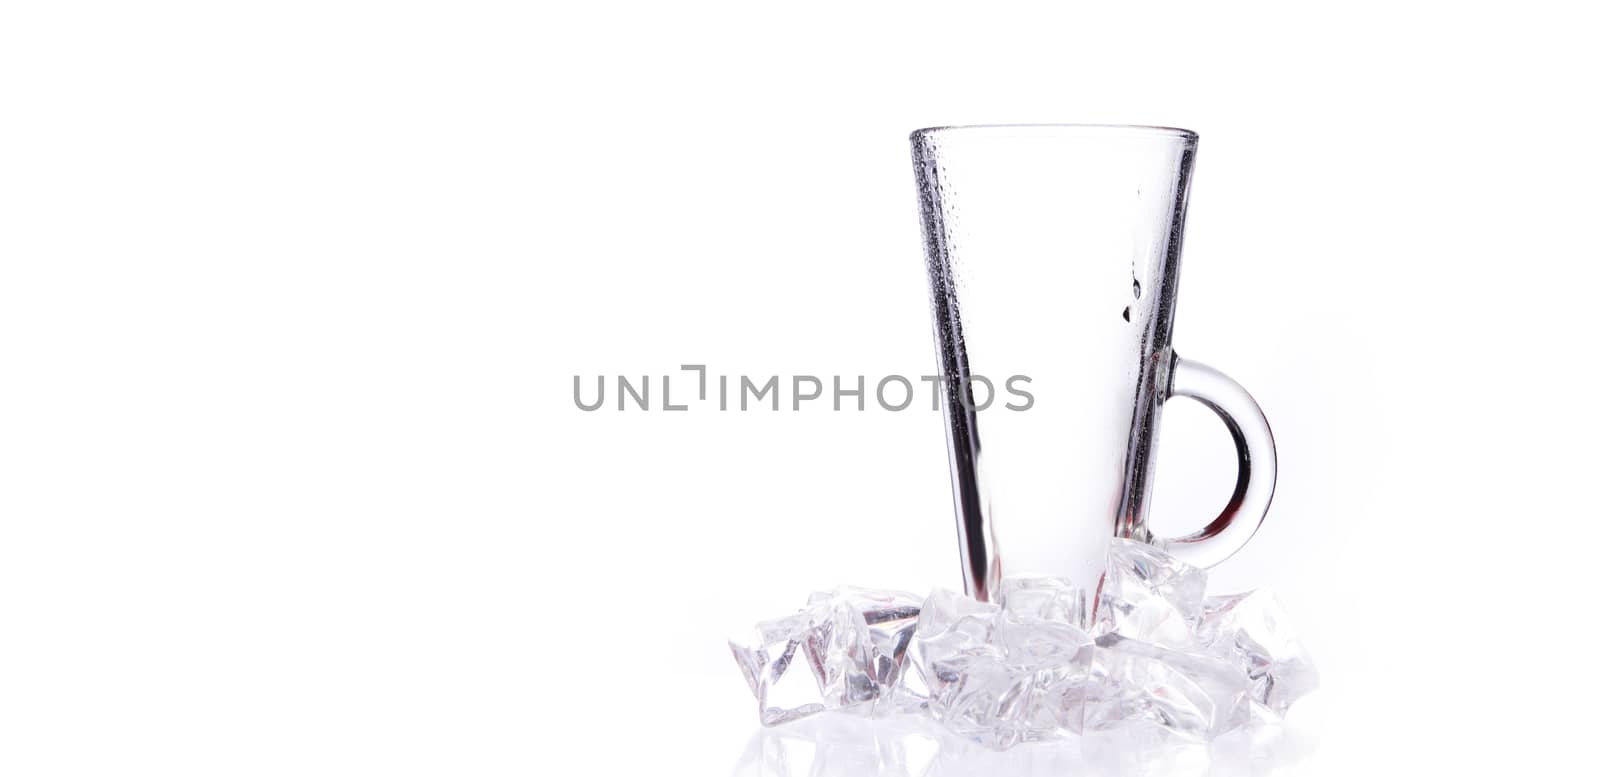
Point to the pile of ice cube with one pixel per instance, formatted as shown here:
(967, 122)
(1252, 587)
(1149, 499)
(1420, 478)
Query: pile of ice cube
(1034, 665)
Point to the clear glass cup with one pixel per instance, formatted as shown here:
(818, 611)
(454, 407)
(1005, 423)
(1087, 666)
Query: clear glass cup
(1052, 253)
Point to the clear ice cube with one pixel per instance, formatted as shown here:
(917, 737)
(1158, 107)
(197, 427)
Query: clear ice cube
(1192, 695)
(1000, 677)
(1041, 599)
(950, 626)
(774, 665)
(1252, 629)
(858, 643)
(1158, 660)
(1149, 596)
(843, 650)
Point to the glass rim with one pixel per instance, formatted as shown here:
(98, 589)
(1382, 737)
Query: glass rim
(1059, 130)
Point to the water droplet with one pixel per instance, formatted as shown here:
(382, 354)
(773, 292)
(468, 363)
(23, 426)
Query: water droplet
(1137, 288)
(1127, 314)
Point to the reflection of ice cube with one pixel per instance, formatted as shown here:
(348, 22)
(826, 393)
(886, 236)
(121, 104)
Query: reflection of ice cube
(1143, 750)
(1253, 630)
(843, 746)
(1149, 596)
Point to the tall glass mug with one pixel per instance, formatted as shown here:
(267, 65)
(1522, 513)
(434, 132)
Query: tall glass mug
(1053, 255)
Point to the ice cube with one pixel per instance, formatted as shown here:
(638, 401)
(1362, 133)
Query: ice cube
(844, 650)
(1149, 596)
(1193, 695)
(1042, 598)
(1253, 630)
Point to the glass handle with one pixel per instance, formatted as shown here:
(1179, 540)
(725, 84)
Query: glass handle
(1258, 464)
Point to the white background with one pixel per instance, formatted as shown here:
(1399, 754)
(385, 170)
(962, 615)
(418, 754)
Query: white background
(292, 296)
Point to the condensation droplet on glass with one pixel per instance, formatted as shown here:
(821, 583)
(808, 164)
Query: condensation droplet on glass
(1127, 313)
(1137, 288)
